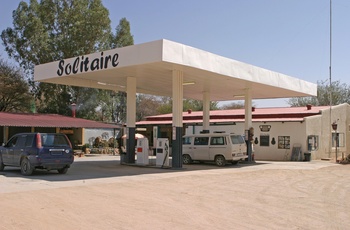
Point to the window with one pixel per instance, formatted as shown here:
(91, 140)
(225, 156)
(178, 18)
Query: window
(237, 139)
(12, 142)
(265, 140)
(340, 141)
(284, 142)
(217, 141)
(21, 141)
(53, 140)
(29, 140)
(186, 140)
(201, 141)
(312, 142)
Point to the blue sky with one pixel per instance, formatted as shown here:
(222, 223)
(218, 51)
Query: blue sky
(287, 36)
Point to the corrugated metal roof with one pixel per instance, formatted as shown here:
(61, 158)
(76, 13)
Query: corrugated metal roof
(49, 120)
(281, 114)
(258, 111)
(221, 121)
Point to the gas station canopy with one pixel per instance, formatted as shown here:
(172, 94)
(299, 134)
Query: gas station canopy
(152, 65)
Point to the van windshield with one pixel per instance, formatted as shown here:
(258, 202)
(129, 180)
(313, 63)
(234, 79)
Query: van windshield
(237, 139)
(53, 140)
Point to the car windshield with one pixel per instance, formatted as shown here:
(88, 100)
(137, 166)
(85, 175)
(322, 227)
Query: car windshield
(53, 140)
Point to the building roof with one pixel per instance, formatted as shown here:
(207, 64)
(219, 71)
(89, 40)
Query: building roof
(48, 120)
(237, 115)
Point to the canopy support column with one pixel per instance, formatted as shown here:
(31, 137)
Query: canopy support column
(206, 112)
(130, 119)
(248, 123)
(177, 76)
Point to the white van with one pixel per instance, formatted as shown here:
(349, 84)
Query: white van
(217, 147)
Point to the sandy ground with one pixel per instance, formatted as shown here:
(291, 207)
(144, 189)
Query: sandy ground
(99, 193)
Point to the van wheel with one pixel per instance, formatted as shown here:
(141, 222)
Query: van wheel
(186, 159)
(220, 161)
(26, 167)
(62, 170)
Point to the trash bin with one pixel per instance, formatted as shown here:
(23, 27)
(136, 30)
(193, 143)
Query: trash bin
(307, 156)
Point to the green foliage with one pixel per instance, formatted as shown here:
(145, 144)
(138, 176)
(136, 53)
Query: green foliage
(122, 38)
(196, 105)
(14, 93)
(86, 100)
(123, 35)
(234, 105)
(52, 30)
(340, 94)
(146, 105)
(56, 29)
(166, 105)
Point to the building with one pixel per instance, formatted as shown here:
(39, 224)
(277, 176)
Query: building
(276, 130)
(167, 68)
(79, 131)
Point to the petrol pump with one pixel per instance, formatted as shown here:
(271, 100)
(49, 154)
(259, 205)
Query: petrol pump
(142, 151)
(162, 152)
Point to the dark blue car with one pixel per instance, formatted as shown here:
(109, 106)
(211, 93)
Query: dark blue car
(30, 151)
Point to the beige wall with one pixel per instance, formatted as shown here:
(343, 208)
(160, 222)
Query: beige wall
(296, 131)
(315, 126)
(319, 125)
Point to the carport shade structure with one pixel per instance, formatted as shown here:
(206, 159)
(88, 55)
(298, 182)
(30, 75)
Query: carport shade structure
(167, 68)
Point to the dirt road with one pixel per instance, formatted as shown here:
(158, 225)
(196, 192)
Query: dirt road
(102, 194)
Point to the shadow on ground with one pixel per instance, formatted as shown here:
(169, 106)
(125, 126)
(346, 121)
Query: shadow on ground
(96, 168)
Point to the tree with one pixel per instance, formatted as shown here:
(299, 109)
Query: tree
(147, 105)
(232, 105)
(194, 105)
(197, 105)
(340, 94)
(166, 105)
(122, 38)
(14, 93)
(54, 30)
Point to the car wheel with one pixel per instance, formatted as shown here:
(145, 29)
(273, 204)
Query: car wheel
(220, 161)
(186, 159)
(26, 168)
(62, 170)
(2, 166)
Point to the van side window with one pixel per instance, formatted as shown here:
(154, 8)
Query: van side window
(217, 141)
(236, 139)
(201, 140)
(186, 140)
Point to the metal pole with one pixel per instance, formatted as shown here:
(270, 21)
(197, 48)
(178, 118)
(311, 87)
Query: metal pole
(336, 146)
(330, 75)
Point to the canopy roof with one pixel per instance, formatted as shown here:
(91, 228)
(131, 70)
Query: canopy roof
(152, 65)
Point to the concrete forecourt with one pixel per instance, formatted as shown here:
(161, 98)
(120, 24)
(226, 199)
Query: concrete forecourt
(99, 193)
